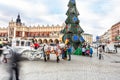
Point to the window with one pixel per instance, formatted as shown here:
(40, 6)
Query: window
(22, 43)
(27, 44)
(17, 43)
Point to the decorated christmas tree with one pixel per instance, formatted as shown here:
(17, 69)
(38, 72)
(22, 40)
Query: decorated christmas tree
(72, 31)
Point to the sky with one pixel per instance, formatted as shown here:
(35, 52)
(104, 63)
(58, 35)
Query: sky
(96, 16)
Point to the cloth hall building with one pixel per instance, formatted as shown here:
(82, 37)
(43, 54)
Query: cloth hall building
(16, 29)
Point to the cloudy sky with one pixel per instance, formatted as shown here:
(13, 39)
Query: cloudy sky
(96, 16)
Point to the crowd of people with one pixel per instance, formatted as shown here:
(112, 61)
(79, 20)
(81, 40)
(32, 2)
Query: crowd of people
(85, 50)
(66, 51)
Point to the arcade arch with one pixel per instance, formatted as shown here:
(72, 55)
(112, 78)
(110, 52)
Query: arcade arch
(50, 40)
(45, 41)
(40, 41)
(56, 41)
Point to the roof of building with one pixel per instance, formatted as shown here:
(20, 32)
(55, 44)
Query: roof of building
(87, 34)
(115, 24)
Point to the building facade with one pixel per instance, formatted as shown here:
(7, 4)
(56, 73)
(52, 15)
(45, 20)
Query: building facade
(112, 35)
(106, 37)
(115, 30)
(88, 38)
(16, 29)
(19, 30)
(3, 33)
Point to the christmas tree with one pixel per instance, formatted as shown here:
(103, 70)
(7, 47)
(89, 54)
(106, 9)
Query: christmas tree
(72, 30)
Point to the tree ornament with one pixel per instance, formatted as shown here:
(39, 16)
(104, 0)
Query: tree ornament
(67, 41)
(75, 38)
(75, 19)
(81, 39)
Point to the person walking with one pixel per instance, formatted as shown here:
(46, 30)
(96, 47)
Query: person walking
(1, 46)
(64, 53)
(103, 47)
(100, 49)
(69, 51)
(36, 45)
(91, 51)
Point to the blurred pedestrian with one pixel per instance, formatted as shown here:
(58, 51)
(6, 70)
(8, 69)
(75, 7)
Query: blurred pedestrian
(36, 45)
(69, 51)
(91, 51)
(64, 53)
(1, 46)
(100, 49)
(115, 48)
(83, 50)
(103, 47)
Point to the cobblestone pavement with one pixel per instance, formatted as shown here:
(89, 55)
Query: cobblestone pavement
(112, 57)
(80, 68)
(5, 71)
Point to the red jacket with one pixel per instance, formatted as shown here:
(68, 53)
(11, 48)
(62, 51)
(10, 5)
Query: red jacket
(36, 45)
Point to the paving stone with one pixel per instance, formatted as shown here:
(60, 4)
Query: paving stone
(5, 71)
(80, 68)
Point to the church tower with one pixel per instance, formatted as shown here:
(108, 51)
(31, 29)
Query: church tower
(18, 20)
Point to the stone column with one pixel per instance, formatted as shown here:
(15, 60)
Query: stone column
(23, 33)
(8, 33)
(14, 32)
